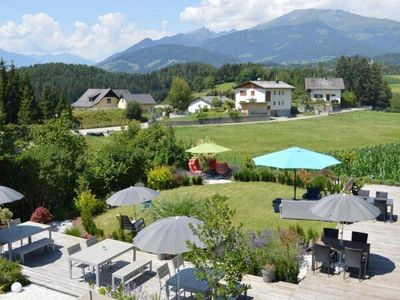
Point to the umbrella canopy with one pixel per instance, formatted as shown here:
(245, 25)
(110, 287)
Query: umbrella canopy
(8, 195)
(208, 148)
(344, 208)
(296, 158)
(132, 195)
(168, 236)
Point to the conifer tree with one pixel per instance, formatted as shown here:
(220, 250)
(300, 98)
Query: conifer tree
(12, 95)
(27, 111)
(47, 101)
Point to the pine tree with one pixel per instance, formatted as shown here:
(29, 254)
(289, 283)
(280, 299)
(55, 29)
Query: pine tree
(12, 95)
(2, 113)
(28, 111)
(47, 102)
(63, 106)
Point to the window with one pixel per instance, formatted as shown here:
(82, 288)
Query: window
(279, 92)
(283, 92)
(252, 93)
(318, 96)
(274, 103)
(333, 95)
(108, 101)
(279, 102)
(242, 93)
(274, 92)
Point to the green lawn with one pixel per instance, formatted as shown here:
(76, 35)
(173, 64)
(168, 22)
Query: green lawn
(394, 82)
(321, 134)
(219, 87)
(252, 202)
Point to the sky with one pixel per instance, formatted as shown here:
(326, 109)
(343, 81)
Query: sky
(95, 29)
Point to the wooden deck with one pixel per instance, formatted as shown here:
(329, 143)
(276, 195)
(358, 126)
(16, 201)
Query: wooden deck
(51, 270)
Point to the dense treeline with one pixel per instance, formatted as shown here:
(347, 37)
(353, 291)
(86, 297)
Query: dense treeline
(49, 164)
(33, 94)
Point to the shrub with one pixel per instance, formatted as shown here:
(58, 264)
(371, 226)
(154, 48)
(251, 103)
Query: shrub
(349, 99)
(160, 178)
(89, 225)
(134, 111)
(216, 103)
(228, 105)
(10, 272)
(186, 181)
(74, 231)
(86, 202)
(197, 180)
(322, 183)
(201, 114)
(41, 215)
(177, 205)
(234, 113)
(5, 215)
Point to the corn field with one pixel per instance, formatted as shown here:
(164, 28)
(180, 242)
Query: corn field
(380, 162)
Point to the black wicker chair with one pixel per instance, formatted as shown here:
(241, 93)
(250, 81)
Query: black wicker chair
(331, 233)
(324, 255)
(354, 258)
(381, 205)
(359, 237)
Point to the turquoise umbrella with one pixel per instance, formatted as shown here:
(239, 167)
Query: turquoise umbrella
(296, 158)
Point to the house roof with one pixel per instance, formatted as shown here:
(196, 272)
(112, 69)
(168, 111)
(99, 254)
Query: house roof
(93, 96)
(209, 99)
(324, 83)
(269, 84)
(142, 98)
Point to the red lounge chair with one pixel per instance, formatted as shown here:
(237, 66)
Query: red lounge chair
(212, 164)
(194, 166)
(223, 168)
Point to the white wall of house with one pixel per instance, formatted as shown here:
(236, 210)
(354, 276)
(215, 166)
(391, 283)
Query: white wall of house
(197, 105)
(122, 104)
(281, 99)
(321, 94)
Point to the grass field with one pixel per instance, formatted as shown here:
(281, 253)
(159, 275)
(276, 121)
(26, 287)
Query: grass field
(252, 202)
(394, 82)
(321, 134)
(219, 87)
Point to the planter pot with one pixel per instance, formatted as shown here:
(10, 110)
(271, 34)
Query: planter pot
(268, 275)
(275, 204)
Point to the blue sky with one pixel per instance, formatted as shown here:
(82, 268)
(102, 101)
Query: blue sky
(95, 29)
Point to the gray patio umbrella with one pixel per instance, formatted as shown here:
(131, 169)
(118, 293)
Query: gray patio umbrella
(8, 195)
(168, 236)
(132, 195)
(343, 208)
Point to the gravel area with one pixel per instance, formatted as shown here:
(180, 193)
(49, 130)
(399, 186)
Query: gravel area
(36, 292)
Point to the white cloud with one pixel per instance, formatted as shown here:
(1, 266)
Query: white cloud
(227, 14)
(164, 25)
(41, 34)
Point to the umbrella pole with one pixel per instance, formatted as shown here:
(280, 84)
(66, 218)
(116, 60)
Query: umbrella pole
(295, 180)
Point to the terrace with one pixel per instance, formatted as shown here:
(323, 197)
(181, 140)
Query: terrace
(51, 271)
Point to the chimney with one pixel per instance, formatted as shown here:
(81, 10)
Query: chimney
(277, 81)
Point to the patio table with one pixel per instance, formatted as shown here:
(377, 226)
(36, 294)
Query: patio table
(188, 282)
(389, 203)
(20, 232)
(339, 247)
(99, 254)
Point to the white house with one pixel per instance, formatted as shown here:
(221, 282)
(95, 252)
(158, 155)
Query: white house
(204, 102)
(326, 89)
(264, 97)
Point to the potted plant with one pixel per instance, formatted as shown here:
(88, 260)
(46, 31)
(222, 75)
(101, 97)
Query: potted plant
(268, 272)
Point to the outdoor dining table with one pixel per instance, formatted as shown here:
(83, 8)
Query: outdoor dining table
(22, 231)
(389, 203)
(99, 254)
(338, 246)
(188, 282)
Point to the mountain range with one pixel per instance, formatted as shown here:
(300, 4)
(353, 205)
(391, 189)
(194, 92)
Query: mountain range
(302, 36)
(22, 60)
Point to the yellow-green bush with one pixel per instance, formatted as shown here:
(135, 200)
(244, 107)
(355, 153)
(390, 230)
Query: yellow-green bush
(160, 178)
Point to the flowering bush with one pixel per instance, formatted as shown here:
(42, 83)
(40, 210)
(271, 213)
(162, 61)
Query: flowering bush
(5, 215)
(41, 215)
(160, 178)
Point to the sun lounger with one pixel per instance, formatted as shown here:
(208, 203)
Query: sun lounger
(297, 209)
